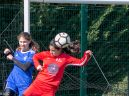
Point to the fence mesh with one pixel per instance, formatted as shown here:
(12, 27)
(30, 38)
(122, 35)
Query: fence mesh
(107, 36)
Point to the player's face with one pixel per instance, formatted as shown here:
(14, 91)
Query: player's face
(24, 44)
(54, 51)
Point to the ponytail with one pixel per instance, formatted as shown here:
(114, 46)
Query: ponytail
(74, 46)
(34, 45)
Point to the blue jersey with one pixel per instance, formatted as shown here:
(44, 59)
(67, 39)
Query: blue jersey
(18, 76)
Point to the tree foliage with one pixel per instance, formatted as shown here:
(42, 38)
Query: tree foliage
(107, 32)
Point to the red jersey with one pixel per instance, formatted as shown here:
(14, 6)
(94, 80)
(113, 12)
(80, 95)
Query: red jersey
(53, 67)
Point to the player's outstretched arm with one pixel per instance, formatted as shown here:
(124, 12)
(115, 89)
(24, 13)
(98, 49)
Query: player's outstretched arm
(80, 62)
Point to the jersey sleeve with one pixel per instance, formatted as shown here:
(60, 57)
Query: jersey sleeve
(78, 62)
(29, 59)
(37, 57)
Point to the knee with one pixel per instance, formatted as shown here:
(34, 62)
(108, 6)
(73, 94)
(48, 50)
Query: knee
(9, 92)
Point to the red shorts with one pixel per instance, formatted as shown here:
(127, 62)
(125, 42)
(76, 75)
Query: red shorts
(39, 88)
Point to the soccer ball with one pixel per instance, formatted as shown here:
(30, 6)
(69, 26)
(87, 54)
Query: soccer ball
(62, 40)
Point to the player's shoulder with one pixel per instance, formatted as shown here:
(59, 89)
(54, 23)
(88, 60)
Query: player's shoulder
(65, 55)
(44, 52)
(32, 51)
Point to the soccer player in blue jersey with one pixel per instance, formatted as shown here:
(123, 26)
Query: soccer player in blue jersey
(21, 75)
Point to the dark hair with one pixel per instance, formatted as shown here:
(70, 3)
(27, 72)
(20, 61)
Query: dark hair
(28, 37)
(73, 47)
(52, 43)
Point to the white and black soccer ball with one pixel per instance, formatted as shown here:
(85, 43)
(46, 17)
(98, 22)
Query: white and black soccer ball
(62, 40)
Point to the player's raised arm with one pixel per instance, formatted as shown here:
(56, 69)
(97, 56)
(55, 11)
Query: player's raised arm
(55, 61)
(80, 62)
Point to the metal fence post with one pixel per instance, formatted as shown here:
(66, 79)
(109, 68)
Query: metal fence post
(83, 89)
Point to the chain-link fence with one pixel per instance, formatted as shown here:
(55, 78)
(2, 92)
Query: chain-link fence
(107, 36)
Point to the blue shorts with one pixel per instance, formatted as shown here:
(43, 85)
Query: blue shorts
(19, 90)
(18, 81)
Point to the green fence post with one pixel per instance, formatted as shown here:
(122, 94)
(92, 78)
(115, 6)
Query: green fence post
(83, 89)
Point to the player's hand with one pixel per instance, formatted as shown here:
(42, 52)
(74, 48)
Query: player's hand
(39, 68)
(7, 51)
(10, 57)
(89, 52)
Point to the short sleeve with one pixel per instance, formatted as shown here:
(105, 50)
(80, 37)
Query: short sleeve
(30, 57)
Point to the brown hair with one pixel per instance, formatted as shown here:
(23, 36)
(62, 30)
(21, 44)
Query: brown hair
(33, 45)
(73, 47)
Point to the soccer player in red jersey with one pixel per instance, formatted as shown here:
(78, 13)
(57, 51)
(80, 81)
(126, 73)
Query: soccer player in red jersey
(50, 74)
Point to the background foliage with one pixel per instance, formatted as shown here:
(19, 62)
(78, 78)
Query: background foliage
(107, 36)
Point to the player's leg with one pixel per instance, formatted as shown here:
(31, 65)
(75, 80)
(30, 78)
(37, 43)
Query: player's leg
(35, 89)
(39, 91)
(40, 88)
(10, 89)
(21, 89)
(9, 92)
(48, 90)
(48, 93)
(30, 91)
